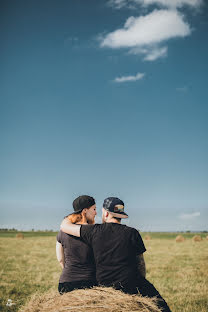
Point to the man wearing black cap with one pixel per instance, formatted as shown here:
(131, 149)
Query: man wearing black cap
(118, 251)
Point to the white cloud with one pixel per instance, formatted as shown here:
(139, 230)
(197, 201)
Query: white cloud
(188, 216)
(172, 3)
(118, 4)
(156, 53)
(151, 53)
(150, 29)
(129, 78)
(144, 34)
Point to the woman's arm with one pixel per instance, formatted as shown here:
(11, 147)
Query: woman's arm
(60, 254)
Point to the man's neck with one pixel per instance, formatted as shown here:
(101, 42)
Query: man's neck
(112, 220)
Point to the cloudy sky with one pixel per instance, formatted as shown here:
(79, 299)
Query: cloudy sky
(106, 98)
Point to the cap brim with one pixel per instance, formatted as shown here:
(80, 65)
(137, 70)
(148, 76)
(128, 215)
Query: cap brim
(119, 215)
(75, 212)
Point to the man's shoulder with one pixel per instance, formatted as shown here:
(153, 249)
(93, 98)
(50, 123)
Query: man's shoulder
(123, 228)
(98, 227)
(132, 229)
(103, 226)
(89, 228)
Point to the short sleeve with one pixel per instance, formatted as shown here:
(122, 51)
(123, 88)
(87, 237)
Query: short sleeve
(86, 233)
(139, 244)
(59, 237)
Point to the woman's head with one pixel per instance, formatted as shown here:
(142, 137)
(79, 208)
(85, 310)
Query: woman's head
(84, 210)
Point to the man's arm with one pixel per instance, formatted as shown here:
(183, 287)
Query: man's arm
(69, 228)
(141, 265)
(60, 254)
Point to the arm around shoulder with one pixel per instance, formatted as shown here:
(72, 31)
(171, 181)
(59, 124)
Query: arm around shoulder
(69, 228)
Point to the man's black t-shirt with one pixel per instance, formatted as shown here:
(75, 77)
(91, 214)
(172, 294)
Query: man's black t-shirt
(79, 261)
(115, 247)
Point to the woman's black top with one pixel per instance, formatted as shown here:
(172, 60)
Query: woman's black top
(79, 262)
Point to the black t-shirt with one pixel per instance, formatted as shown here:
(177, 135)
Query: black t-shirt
(115, 248)
(79, 261)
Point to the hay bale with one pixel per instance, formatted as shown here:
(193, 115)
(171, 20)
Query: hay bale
(207, 237)
(97, 299)
(20, 236)
(197, 238)
(179, 239)
(147, 237)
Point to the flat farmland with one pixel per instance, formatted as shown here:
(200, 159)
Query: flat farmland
(178, 270)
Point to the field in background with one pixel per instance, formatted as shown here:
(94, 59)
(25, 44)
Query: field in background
(178, 270)
(27, 234)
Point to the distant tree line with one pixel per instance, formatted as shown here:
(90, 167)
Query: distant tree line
(9, 230)
(32, 230)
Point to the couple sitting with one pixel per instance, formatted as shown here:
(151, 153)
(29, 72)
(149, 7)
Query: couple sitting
(108, 254)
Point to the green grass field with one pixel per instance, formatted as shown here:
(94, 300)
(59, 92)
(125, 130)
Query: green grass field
(178, 270)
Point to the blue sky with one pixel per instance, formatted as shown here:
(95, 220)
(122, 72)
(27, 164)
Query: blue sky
(106, 98)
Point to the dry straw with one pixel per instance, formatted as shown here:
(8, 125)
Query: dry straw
(20, 236)
(180, 238)
(97, 299)
(197, 238)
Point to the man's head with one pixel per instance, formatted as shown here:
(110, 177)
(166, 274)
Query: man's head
(113, 208)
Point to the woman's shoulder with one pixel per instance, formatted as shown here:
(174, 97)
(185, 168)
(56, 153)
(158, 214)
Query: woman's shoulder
(63, 236)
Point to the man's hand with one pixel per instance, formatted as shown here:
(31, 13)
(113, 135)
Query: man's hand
(69, 228)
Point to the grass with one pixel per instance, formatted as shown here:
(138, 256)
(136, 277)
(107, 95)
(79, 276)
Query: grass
(27, 234)
(178, 270)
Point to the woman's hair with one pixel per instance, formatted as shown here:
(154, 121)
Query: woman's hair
(75, 217)
(79, 217)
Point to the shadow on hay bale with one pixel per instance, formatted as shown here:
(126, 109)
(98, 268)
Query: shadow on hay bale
(197, 238)
(180, 238)
(20, 236)
(97, 299)
(147, 237)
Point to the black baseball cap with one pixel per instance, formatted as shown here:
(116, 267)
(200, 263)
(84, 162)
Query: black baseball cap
(115, 206)
(81, 202)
